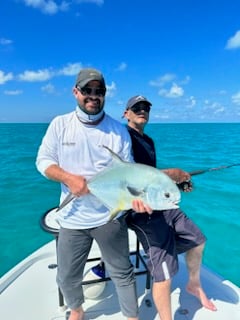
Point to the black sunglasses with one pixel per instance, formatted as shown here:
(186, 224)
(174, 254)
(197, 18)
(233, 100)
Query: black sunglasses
(88, 91)
(140, 107)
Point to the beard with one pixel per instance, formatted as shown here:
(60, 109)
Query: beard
(92, 106)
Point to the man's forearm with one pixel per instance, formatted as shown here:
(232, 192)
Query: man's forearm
(76, 183)
(54, 172)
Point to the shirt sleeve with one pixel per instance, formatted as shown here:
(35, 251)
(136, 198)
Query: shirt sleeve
(47, 153)
(127, 154)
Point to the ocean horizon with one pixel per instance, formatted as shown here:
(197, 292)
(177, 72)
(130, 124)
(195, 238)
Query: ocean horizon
(213, 204)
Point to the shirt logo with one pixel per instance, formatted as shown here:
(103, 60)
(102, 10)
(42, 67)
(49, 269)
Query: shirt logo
(68, 143)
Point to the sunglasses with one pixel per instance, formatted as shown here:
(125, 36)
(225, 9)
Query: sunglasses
(140, 107)
(88, 91)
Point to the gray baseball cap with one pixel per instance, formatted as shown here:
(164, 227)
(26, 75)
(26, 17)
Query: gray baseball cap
(87, 75)
(136, 99)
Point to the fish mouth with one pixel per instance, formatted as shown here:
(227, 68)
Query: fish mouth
(172, 205)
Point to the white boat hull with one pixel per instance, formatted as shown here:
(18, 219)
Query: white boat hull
(29, 291)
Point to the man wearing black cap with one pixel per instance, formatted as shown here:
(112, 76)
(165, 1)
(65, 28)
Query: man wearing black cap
(71, 154)
(166, 233)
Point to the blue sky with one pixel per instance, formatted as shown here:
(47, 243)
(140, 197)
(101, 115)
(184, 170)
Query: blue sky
(183, 55)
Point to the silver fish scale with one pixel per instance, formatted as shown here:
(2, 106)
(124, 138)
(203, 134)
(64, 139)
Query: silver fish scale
(122, 182)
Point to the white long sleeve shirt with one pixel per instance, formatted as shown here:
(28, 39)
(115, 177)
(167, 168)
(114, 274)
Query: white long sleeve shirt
(76, 148)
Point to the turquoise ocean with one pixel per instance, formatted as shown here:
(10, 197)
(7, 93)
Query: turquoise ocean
(214, 204)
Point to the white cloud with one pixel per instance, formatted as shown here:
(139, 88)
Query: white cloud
(5, 42)
(174, 92)
(98, 2)
(236, 98)
(5, 77)
(71, 69)
(120, 103)
(161, 116)
(111, 89)
(52, 7)
(186, 80)
(221, 109)
(48, 88)
(47, 6)
(32, 76)
(122, 67)
(191, 102)
(161, 81)
(13, 92)
(234, 42)
(222, 92)
(163, 92)
(215, 107)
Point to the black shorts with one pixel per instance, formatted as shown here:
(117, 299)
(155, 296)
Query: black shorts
(164, 235)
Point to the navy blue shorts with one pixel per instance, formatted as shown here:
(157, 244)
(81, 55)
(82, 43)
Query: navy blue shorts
(163, 235)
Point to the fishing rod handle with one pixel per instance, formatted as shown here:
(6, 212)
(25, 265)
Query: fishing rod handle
(195, 172)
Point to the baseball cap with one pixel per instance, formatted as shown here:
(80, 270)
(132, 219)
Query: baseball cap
(136, 99)
(87, 75)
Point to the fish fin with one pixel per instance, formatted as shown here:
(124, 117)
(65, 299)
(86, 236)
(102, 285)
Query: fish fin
(114, 155)
(135, 192)
(114, 213)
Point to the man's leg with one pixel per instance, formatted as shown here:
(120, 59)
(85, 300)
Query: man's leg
(73, 248)
(76, 314)
(191, 240)
(194, 260)
(161, 292)
(162, 258)
(112, 239)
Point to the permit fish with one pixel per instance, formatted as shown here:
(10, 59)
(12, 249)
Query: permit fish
(122, 182)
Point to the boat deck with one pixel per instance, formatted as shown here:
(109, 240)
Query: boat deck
(29, 292)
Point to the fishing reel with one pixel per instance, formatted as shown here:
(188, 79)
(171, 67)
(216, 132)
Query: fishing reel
(185, 185)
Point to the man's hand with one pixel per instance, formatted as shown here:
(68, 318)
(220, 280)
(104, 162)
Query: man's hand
(139, 206)
(181, 178)
(77, 185)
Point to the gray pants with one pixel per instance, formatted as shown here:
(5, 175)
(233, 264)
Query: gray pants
(73, 249)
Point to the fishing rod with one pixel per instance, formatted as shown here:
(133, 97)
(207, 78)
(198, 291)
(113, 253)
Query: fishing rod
(196, 172)
(188, 184)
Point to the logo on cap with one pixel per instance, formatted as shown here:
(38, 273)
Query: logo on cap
(140, 98)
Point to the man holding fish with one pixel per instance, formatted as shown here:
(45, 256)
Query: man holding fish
(70, 154)
(166, 233)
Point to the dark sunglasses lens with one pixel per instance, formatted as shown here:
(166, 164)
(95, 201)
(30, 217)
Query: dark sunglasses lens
(147, 108)
(87, 91)
(138, 108)
(100, 92)
(84, 91)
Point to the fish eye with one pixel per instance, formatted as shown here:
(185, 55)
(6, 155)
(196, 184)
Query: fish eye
(167, 194)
